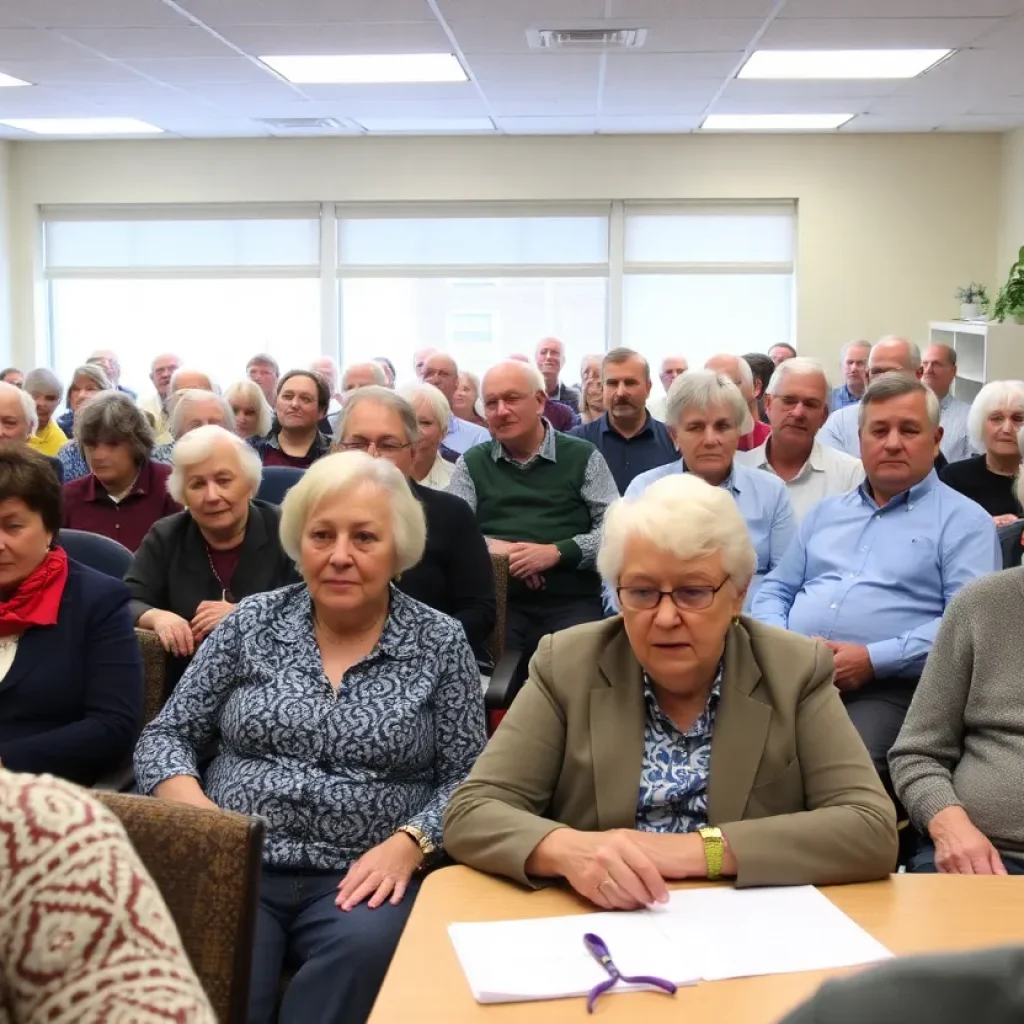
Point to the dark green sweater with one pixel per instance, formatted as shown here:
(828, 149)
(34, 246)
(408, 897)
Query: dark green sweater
(543, 504)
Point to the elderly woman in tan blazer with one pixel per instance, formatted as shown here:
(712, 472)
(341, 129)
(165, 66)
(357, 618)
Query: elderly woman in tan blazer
(679, 740)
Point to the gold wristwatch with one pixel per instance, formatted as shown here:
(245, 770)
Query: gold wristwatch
(420, 838)
(714, 851)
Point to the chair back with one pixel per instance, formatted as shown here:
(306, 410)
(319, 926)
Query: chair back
(154, 664)
(277, 481)
(96, 551)
(496, 641)
(206, 864)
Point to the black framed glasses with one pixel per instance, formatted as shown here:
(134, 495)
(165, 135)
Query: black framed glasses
(687, 599)
(384, 448)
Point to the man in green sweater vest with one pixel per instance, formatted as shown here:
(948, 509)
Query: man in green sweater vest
(539, 497)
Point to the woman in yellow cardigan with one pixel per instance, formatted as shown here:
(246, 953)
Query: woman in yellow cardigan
(45, 389)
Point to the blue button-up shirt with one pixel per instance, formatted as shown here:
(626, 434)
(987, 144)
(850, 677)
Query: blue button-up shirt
(628, 457)
(881, 577)
(676, 766)
(462, 435)
(763, 502)
(841, 397)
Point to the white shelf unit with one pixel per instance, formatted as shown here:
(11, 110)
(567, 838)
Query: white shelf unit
(984, 352)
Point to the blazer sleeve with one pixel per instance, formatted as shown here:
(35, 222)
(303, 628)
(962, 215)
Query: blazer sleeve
(495, 819)
(147, 576)
(848, 832)
(470, 575)
(101, 740)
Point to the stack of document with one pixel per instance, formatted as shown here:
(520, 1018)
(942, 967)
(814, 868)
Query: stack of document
(700, 935)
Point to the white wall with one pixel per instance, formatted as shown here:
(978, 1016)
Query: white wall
(889, 225)
(6, 248)
(1011, 220)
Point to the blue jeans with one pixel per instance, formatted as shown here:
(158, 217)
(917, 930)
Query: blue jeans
(923, 862)
(339, 959)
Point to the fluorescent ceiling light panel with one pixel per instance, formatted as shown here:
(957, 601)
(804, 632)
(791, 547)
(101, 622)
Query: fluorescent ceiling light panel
(821, 64)
(82, 125)
(368, 68)
(10, 82)
(426, 124)
(773, 122)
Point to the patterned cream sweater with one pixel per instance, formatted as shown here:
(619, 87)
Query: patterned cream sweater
(84, 934)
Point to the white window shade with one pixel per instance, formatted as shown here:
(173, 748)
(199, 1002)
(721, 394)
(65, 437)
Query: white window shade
(133, 240)
(710, 234)
(469, 241)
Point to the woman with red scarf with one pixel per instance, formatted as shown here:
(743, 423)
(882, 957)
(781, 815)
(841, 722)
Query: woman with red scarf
(71, 681)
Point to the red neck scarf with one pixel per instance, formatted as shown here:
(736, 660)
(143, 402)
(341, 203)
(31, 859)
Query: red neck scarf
(37, 598)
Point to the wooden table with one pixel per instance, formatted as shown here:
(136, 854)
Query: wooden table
(907, 914)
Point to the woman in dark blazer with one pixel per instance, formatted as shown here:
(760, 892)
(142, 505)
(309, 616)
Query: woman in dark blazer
(71, 679)
(194, 567)
(455, 574)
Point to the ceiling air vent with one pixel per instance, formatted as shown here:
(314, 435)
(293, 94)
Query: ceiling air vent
(586, 38)
(307, 124)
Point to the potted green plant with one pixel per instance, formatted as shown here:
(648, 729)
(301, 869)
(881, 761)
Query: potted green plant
(973, 301)
(1010, 301)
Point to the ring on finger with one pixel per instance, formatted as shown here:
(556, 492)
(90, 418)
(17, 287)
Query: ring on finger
(608, 881)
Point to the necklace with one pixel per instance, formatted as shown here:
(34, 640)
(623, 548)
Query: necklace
(225, 592)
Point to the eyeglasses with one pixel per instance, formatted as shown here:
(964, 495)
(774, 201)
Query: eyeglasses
(384, 448)
(599, 951)
(688, 599)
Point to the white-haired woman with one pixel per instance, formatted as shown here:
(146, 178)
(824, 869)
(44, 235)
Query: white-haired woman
(995, 420)
(705, 413)
(187, 410)
(45, 390)
(432, 415)
(191, 569)
(348, 713)
(86, 382)
(466, 402)
(252, 412)
(601, 771)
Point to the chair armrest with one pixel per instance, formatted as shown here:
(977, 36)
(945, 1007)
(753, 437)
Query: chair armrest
(498, 695)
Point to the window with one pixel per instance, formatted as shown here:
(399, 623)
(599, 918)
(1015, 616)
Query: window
(698, 280)
(213, 285)
(485, 284)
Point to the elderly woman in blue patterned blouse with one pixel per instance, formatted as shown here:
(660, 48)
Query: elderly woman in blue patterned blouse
(347, 714)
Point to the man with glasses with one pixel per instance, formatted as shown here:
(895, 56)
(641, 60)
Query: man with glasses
(442, 371)
(540, 498)
(796, 401)
(872, 571)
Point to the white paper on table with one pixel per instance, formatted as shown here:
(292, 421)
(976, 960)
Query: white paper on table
(748, 932)
(701, 934)
(545, 958)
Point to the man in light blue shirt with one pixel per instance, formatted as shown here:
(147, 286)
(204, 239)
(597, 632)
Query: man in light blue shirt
(705, 412)
(442, 371)
(938, 367)
(853, 360)
(872, 571)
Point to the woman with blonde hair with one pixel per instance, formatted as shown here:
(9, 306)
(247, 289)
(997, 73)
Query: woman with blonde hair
(466, 402)
(252, 412)
(591, 389)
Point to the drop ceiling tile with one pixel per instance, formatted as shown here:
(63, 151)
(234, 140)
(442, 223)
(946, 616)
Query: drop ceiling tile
(557, 68)
(873, 124)
(999, 106)
(669, 68)
(193, 70)
(37, 44)
(875, 33)
(547, 106)
(647, 124)
(652, 104)
(245, 98)
(984, 122)
(368, 106)
(697, 92)
(293, 40)
(548, 125)
(770, 90)
(899, 8)
(426, 92)
(69, 72)
(838, 105)
(540, 90)
(89, 13)
(133, 43)
(43, 102)
(220, 13)
(690, 8)
(549, 11)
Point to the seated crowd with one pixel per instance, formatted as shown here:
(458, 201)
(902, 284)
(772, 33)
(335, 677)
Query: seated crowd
(793, 583)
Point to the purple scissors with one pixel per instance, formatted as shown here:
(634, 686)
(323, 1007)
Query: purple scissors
(599, 951)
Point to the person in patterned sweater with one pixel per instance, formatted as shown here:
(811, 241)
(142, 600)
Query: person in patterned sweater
(85, 936)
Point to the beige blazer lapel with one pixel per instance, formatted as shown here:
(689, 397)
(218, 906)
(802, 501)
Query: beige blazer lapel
(617, 734)
(741, 730)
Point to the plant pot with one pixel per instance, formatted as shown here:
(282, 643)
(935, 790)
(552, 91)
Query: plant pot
(1019, 318)
(968, 310)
